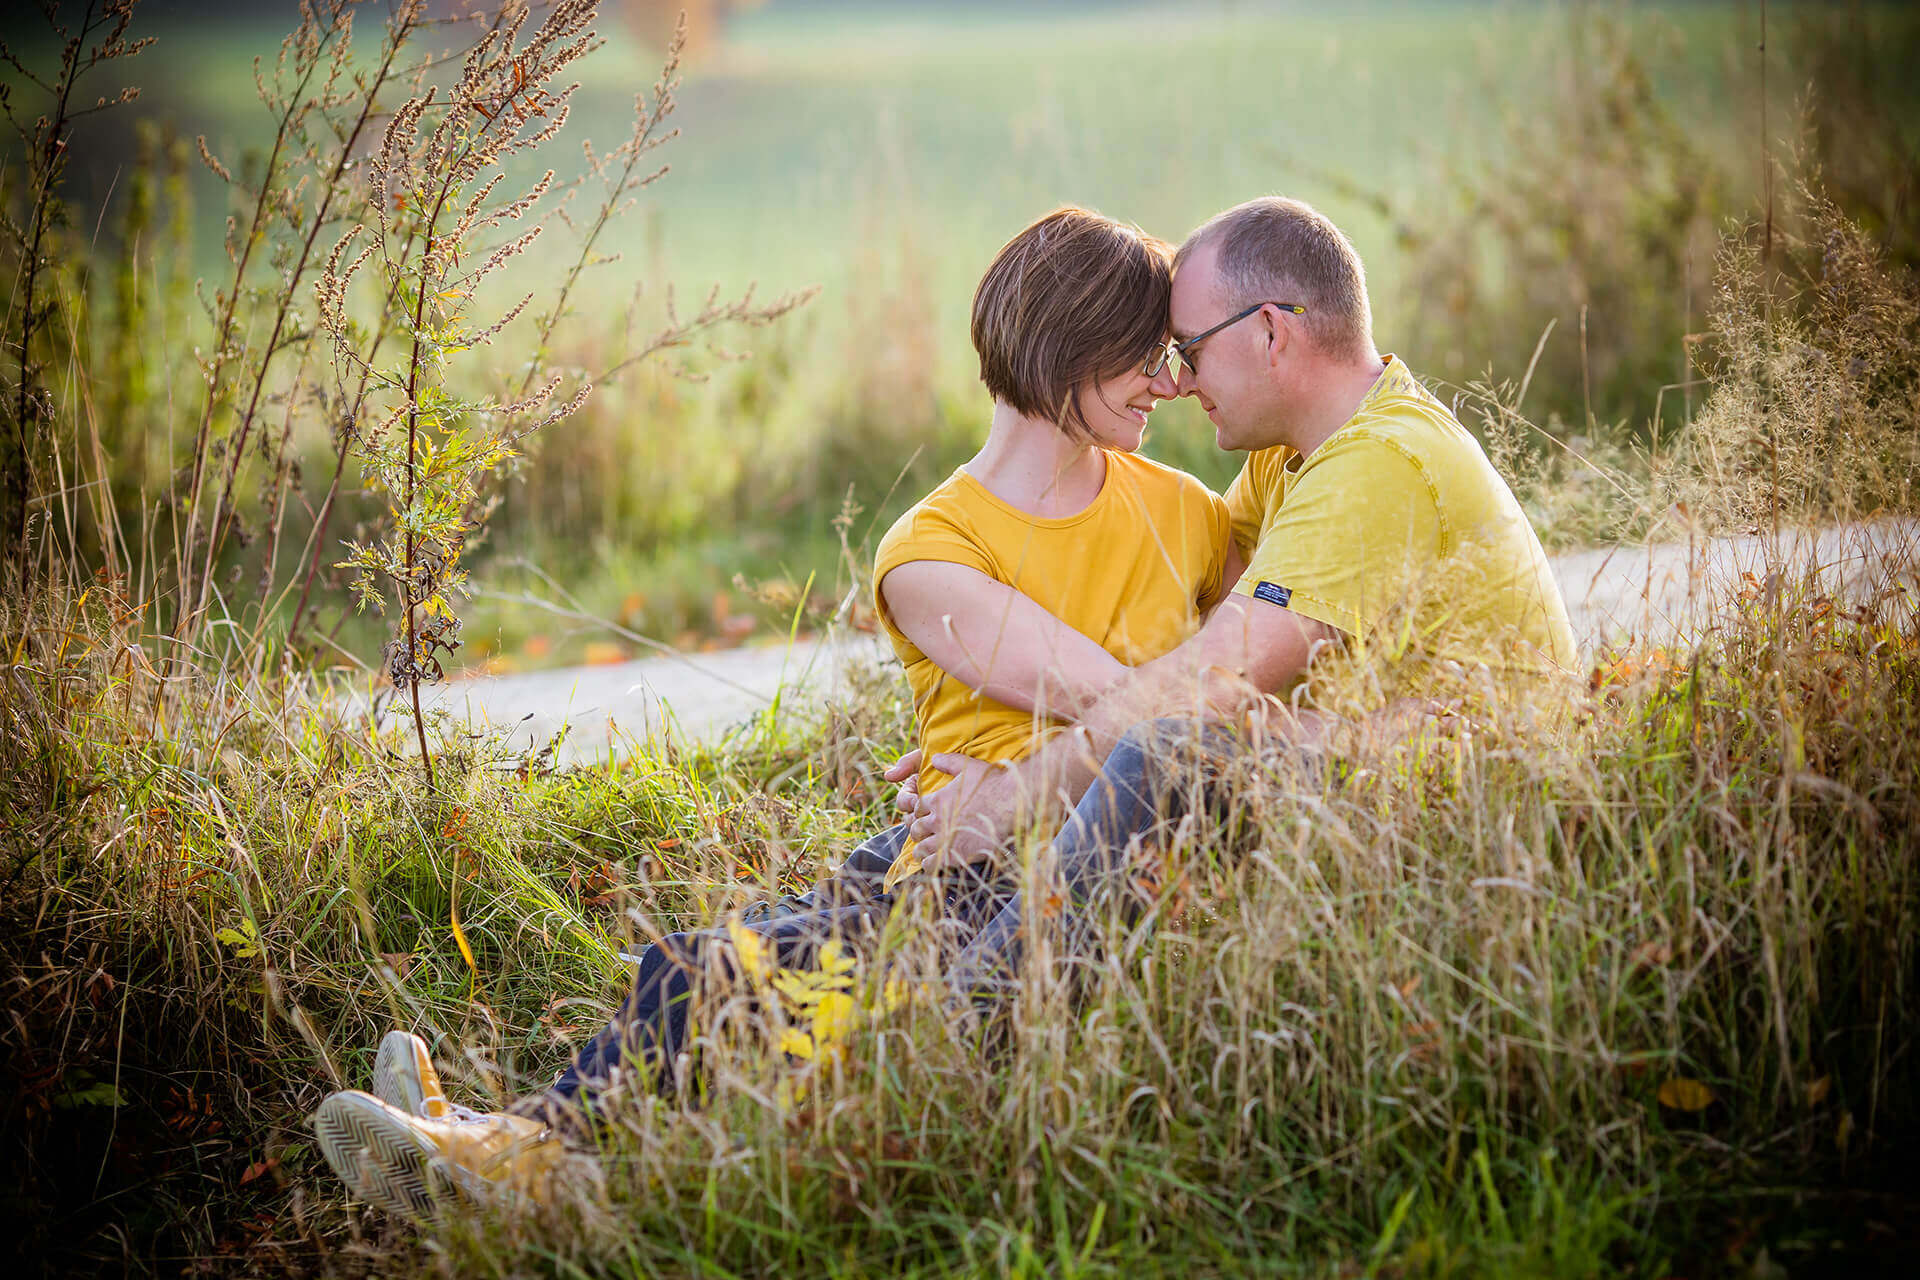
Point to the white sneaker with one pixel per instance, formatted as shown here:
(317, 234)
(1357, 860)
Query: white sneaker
(404, 1076)
(413, 1166)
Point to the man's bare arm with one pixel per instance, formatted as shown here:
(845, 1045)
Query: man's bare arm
(1248, 647)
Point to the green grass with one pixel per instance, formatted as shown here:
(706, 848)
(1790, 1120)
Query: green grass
(820, 128)
(1418, 1021)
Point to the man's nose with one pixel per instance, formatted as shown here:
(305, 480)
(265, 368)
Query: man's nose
(1184, 383)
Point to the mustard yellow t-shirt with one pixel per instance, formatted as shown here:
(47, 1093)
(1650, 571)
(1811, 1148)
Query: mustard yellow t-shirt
(1133, 572)
(1399, 516)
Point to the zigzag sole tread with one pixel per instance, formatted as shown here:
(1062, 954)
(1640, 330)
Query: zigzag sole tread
(381, 1160)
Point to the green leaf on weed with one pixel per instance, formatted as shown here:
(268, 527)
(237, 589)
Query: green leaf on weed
(245, 940)
(101, 1093)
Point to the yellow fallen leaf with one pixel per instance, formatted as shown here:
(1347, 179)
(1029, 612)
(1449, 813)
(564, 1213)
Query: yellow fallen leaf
(1844, 1132)
(803, 988)
(1683, 1094)
(834, 1018)
(834, 958)
(1817, 1091)
(601, 653)
(751, 948)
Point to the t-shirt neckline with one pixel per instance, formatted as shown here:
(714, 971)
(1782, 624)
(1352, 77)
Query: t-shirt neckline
(1087, 512)
(1393, 375)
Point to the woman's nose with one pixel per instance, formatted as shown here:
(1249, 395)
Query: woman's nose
(1166, 383)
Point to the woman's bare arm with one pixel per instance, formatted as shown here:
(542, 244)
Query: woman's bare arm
(997, 640)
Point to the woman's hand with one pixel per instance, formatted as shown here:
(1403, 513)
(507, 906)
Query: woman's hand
(906, 772)
(970, 818)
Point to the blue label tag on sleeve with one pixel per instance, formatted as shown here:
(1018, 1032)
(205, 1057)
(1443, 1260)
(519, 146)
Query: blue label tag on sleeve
(1273, 593)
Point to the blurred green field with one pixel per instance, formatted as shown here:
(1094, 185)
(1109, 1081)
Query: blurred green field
(821, 133)
(882, 153)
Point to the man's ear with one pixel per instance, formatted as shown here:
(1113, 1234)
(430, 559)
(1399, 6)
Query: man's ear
(1278, 336)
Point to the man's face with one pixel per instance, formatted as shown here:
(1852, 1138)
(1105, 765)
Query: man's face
(1235, 378)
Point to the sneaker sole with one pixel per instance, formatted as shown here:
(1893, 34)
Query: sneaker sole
(383, 1160)
(396, 1073)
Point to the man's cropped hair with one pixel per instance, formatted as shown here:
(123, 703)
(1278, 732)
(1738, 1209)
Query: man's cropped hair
(1073, 299)
(1274, 249)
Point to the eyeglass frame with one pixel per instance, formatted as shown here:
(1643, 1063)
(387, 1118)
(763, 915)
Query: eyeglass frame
(1176, 349)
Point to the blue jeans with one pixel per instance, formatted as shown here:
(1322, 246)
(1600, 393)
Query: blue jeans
(640, 1045)
(1149, 779)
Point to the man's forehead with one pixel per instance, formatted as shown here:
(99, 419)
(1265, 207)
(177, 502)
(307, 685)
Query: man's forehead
(1194, 285)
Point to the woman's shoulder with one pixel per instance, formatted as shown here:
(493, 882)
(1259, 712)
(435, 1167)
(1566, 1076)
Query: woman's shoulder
(943, 514)
(1158, 478)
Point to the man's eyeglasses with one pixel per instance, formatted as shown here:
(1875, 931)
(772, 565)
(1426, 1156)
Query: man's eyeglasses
(1183, 351)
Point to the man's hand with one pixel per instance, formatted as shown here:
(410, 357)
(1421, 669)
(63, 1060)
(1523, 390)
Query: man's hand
(1283, 723)
(906, 772)
(969, 819)
(1227, 696)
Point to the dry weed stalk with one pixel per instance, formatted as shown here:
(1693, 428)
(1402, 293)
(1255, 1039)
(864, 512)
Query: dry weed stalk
(1814, 412)
(621, 174)
(307, 81)
(433, 192)
(434, 197)
(99, 38)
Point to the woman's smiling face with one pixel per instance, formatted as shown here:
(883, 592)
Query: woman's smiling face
(1116, 408)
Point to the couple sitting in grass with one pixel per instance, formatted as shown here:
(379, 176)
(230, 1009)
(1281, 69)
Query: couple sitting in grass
(1062, 606)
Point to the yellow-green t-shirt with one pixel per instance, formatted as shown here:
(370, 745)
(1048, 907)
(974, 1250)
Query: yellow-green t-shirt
(1133, 572)
(1399, 518)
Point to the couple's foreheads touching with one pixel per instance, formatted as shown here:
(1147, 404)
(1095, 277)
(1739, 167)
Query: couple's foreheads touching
(1083, 317)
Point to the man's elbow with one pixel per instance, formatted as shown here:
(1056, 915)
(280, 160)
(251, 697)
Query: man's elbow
(1080, 691)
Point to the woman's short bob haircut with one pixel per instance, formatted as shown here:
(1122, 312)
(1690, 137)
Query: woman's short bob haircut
(1073, 299)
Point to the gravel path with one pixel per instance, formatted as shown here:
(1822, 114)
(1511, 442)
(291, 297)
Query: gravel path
(696, 697)
(1656, 593)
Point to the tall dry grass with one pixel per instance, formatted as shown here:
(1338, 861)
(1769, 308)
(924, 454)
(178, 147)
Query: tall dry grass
(1529, 994)
(1814, 411)
(1621, 986)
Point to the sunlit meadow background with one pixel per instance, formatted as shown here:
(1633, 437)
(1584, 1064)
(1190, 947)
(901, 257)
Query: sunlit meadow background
(1500, 167)
(1625, 991)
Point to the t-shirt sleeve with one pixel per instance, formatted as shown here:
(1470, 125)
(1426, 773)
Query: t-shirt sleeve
(924, 533)
(1359, 529)
(1246, 506)
(1219, 529)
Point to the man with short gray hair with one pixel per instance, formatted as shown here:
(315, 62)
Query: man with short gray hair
(1371, 521)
